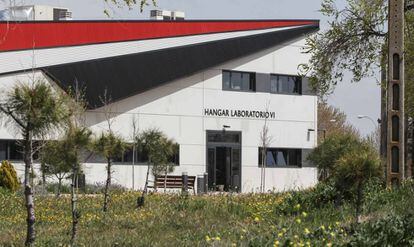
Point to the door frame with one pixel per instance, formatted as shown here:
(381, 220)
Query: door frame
(225, 144)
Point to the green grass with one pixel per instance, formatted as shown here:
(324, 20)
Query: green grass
(222, 220)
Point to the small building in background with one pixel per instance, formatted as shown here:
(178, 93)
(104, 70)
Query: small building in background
(35, 13)
(166, 15)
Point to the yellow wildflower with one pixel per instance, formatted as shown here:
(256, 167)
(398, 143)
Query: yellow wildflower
(323, 227)
(280, 234)
(307, 231)
(257, 219)
(304, 214)
(276, 243)
(218, 238)
(208, 239)
(298, 220)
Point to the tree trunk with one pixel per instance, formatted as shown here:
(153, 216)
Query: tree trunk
(140, 201)
(28, 190)
(263, 170)
(358, 202)
(75, 212)
(59, 187)
(43, 182)
(107, 185)
(165, 180)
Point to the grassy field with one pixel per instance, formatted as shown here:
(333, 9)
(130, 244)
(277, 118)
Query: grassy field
(285, 219)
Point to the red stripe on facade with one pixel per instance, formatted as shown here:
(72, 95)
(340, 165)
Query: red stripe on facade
(35, 35)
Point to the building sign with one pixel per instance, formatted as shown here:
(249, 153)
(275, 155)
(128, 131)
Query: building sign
(239, 113)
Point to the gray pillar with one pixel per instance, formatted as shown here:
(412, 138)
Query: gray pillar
(395, 94)
(185, 182)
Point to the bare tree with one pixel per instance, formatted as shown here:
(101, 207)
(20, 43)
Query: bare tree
(265, 140)
(135, 131)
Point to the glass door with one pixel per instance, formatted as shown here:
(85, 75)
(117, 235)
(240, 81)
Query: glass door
(224, 161)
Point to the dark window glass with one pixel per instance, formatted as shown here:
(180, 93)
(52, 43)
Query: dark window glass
(141, 156)
(223, 137)
(3, 150)
(395, 160)
(15, 151)
(395, 129)
(281, 157)
(395, 97)
(285, 84)
(396, 67)
(240, 81)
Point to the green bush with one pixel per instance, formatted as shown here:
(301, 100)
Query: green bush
(390, 231)
(8, 176)
(325, 156)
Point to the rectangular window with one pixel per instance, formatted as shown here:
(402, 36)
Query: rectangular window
(11, 150)
(142, 156)
(281, 157)
(285, 84)
(239, 81)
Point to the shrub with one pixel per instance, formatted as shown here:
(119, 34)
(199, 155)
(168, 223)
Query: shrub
(354, 170)
(330, 150)
(323, 193)
(390, 231)
(8, 176)
(54, 187)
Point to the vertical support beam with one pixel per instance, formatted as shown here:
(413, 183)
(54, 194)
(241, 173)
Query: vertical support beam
(185, 182)
(205, 182)
(395, 95)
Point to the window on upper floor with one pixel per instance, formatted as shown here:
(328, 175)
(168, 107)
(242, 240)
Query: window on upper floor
(239, 81)
(281, 157)
(285, 84)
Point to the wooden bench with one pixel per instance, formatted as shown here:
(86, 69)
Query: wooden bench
(173, 182)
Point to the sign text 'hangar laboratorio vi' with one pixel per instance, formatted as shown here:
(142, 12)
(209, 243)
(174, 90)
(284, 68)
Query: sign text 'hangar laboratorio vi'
(239, 113)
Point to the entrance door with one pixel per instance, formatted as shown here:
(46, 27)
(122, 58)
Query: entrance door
(223, 160)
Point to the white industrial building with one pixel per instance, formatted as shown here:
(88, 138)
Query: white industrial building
(207, 84)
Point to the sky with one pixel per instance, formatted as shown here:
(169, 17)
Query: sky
(362, 98)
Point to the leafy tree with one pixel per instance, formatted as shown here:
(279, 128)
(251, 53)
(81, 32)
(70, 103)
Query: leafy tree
(332, 121)
(354, 169)
(35, 110)
(353, 42)
(159, 149)
(8, 176)
(330, 151)
(74, 142)
(161, 159)
(53, 163)
(111, 147)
